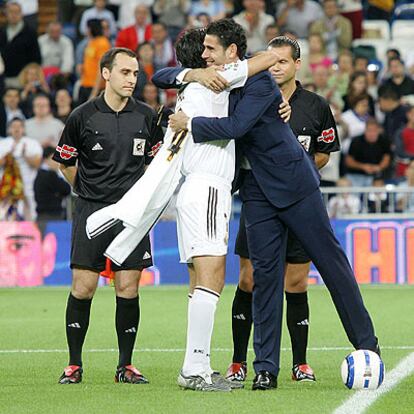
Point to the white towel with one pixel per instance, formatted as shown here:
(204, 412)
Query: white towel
(141, 207)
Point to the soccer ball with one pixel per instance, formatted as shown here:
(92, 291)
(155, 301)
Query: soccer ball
(362, 370)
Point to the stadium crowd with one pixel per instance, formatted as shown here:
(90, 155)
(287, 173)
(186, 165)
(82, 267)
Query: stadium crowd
(348, 56)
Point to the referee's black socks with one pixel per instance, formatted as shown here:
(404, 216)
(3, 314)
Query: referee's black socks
(126, 322)
(241, 324)
(298, 324)
(77, 322)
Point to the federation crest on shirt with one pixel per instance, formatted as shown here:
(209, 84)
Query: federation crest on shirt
(327, 136)
(139, 147)
(305, 141)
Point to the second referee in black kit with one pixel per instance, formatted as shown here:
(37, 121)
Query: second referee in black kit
(314, 126)
(103, 151)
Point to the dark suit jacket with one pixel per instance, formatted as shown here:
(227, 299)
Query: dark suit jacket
(281, 167)
(22, 50)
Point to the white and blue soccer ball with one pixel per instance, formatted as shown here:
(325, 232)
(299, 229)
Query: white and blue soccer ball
(362, 370)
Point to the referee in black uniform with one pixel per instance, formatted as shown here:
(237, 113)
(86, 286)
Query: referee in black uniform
(314, 126)
(103, 151)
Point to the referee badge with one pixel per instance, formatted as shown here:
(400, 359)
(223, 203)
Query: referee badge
(139, 147)
(305, 141)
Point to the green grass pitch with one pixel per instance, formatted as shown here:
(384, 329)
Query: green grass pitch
(32, 319)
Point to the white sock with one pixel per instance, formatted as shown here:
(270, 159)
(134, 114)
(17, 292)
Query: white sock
(201, 310)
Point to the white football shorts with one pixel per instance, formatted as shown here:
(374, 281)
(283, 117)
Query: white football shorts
(203, 214)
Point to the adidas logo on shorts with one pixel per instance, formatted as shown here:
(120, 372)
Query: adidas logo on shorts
(146, 256)
(97, 147)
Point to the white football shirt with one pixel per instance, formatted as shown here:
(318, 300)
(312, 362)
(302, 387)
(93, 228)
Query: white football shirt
(215, 157)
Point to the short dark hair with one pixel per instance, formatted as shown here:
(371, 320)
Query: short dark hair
(189, 49)
(281, 41)
(11, 88)
(229, 32)
(396, 58)
(357, 99)
(107, 60)
(388, 92)
(16, 118)
(372, 121)
(95, 27)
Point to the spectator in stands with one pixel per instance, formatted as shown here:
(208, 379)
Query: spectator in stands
(44, 127)
(100, 12)
(173, 13)
(145, 53)
(356, 116)
(402, 83)
(352, 10)
(32, 81)
(140, 32)
(28, 154)
(151, 97)
(57, 50)
(317, 56)
(320, 78)
(10, 109)
(126, 15)
(63, 105)
(90, 80)
(254, 21)
(271, 31)
(405, 201)
(214, 8)
(297, 15)
(395, 113)
(343, 203)
(342, 73)
(378, 202)
(164, 53)
(404, 144)
(361, 63)
(18, 44)
(369, 155)
(358, 85)
(335, 29)
(50, 189)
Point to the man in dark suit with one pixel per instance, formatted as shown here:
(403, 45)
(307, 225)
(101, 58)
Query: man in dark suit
(279, 190)
(18, 44)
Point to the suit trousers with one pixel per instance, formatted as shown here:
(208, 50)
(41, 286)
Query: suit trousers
(266, 227)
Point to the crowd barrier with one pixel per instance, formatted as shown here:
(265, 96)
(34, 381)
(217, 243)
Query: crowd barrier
(380, 251)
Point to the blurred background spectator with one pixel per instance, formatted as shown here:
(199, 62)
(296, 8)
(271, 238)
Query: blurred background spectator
(296, 16)
(63, 105)
(43, 126)
(335, 29)
(32, 82)
(10, 108)
(28, 154)
(132, 36)
(18, 44)
(90, 76)
(173, 13)
(100, 12)
(369, 156)
(254, 21)
(57, 51)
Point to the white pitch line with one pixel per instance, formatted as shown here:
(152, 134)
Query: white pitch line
(361, 400)
(316, 349)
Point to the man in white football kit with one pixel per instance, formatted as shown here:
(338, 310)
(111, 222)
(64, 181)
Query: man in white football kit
(204, 199)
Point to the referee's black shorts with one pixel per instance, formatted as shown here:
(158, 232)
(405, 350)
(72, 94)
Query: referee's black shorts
(295, 253)
(88, 254)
